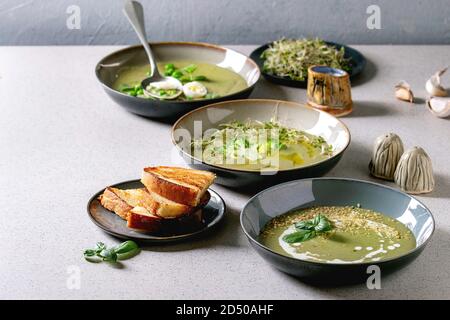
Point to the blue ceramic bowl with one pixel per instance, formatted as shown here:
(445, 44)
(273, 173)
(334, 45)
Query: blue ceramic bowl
(304, 193)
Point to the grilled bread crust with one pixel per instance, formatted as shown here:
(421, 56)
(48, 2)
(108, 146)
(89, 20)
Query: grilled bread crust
(141, 209)
(141, 219)
(185, 186)
(113, 202)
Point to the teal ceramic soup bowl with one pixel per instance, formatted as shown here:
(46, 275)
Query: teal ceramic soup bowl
(108, 69)
(305, 193)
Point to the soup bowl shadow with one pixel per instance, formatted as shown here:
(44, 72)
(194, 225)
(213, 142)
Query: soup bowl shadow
(299, 194)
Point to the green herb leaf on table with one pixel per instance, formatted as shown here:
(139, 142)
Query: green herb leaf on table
(108, 255)
(124, 250)
(90, 253)
(125, 247)
(99, 247)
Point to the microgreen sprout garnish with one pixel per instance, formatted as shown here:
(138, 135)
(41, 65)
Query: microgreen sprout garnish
(308, 229)
(292, 57)
(122, 251)
(256, 141)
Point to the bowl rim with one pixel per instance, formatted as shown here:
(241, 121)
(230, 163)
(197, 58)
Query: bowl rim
(318, 263)
(290, 103)
(177, 43)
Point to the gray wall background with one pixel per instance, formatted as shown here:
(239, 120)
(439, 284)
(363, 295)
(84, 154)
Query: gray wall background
(43, 22)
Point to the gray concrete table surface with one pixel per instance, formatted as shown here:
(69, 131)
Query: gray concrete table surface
(62, 139)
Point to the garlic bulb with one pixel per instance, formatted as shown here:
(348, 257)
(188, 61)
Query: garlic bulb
(434, 87)
(440, 107)
(403, 91)
(386, 153)
(414, 173)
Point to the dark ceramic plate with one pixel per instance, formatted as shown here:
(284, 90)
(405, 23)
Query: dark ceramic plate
(110, 66)
(357, 64)
(298, 194)
(290, 114)
(213, 213)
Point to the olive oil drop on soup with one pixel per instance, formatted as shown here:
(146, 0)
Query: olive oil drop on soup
(337, 235)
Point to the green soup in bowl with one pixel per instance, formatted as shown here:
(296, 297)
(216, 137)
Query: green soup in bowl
(229, 75)
(218, 81)
(340, 251)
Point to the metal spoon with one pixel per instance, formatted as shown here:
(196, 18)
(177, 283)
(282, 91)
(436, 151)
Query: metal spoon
(134, 11)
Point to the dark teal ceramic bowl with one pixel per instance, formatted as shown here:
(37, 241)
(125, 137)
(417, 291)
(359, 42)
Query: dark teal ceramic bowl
(110, 66)
(305, 193)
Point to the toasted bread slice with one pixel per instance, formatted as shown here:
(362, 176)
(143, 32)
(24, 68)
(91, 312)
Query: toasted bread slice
(121, 202)
(185, 186)
(141, 219)
(163, 207)
(169, 209)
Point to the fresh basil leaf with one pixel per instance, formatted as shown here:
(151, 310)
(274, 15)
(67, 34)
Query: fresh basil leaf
(108, 255)
(99, 247)
(308, 229)
(200, 78)
(128, 255)
(93, 259)
(169, 66)
(177, 74)
(323, 225)
(299, 236)
(190, 68)
(185, 79)
(316, 220)
(125, 247)
(305, 225)
(122, 251)
(89, 252)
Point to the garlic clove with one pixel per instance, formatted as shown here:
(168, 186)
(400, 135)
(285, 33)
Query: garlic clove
(439, 106)
(414, 173)
(386, 153)
(403, 92)
(434, 87)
